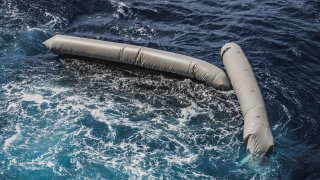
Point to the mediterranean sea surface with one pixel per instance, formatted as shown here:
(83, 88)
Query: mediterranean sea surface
(70, 118)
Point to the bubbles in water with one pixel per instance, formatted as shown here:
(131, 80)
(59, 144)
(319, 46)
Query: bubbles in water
(73, 119)
(80, 117)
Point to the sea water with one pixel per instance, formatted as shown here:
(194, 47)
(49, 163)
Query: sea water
(70, 118)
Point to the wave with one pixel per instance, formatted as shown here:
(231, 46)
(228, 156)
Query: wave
(71, 118)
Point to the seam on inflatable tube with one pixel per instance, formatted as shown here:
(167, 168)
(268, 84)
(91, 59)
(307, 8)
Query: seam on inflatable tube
(255, 106)
(191, 68)
(138, 58)
(120, 55)
(216, 76)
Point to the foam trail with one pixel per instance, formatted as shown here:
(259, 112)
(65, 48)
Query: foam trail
(13, 138)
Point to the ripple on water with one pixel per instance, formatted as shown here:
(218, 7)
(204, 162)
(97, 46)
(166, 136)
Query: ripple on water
(68, 118)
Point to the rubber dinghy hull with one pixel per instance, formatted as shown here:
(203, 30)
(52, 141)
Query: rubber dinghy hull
(257, 133)
(140, 56)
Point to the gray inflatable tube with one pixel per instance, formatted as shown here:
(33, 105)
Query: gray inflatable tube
(257, 133)
(140, 56)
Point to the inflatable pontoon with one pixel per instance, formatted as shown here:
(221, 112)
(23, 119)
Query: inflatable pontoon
(257, 133)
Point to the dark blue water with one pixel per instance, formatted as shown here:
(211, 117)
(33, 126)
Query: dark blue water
(68, 118)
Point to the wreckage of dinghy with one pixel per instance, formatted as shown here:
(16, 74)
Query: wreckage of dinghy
(257, 134)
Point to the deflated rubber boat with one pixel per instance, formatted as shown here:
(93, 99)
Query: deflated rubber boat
(257, 133)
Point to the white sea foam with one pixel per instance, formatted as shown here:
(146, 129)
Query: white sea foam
(37, 98)
(54, 20)
(12, 106)
(188, 113)
(13, 138)
(120, 9)
(59, 126)
(181, 160)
